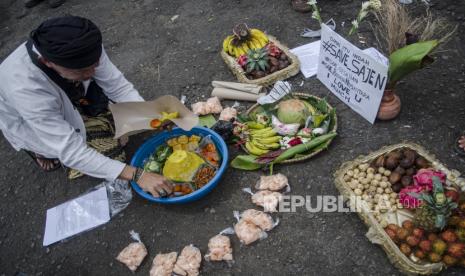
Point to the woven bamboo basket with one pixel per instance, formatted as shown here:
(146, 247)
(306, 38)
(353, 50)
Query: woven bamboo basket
(291, 70)
(313, 153)
(399, 260)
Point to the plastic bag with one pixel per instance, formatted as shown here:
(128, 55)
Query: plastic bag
(274, 182)
(133, 254)
(212, 105)
(252, 225)
(163, 264)
(219, 247)
(209, 152)
(119, 195)
(284, 129)
(269, 200)
(188, 262)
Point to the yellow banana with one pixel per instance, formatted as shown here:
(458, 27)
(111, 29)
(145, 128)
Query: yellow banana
(251, 44)
(259, 35)
(263, 135)
(254, 125)
(268, 140)
(263, 130)
(265, 146)
(239, 51)
(254, 150)
(257, 42)
(226, 43)
(245, 47)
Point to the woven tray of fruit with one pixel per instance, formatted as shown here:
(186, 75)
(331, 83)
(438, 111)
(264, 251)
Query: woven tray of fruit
(412, 204)
(294, 129)
(257, 58)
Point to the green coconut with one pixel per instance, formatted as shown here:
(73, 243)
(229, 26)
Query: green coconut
(292, 111)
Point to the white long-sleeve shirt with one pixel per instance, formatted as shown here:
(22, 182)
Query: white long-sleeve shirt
(36, 114)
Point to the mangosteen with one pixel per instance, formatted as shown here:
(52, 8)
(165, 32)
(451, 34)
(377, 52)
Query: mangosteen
(394, 177)
(283, 57)
(282, 64)
(397, 187)
(421, 163)
(406, 180)
(391, 162)
(410, 171)
(400, 170)
(407, 162)
(273, 69)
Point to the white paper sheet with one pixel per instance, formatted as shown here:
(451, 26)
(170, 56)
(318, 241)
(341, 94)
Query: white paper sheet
(77, 215)
(374, 53)
(308, 57)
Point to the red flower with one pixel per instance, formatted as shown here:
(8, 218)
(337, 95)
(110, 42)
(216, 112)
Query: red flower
(273, 50)
(294, 142)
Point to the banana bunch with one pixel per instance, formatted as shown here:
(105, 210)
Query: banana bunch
(263, 140)
(234, 47)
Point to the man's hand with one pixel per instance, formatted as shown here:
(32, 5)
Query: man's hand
(155, 184)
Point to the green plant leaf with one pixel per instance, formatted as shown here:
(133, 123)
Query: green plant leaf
(408, 59)
(207, 121)
(262, 65)
(245, 162)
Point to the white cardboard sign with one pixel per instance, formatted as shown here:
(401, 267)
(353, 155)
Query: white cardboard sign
(352, 75)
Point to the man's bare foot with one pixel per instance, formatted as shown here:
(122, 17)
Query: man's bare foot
(461, 142)
(47, 164)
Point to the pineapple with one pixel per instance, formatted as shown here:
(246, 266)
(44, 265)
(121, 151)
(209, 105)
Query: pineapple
(257, 60)
(436, 208)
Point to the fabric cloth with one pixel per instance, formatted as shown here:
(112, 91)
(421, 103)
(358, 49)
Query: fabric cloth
(70, 41)
(36, 115)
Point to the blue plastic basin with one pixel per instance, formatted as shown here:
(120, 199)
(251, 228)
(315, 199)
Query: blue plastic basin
(152, 143)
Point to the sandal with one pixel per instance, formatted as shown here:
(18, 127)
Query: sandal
(301, 6)
(460, 151)
(55, 163)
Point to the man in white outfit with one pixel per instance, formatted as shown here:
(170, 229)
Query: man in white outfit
(47, 81)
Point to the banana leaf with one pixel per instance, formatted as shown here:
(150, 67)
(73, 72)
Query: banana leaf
(246, 162)
(408, 59)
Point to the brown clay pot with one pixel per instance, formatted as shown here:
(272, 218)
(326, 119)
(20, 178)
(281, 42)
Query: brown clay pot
(390, 105)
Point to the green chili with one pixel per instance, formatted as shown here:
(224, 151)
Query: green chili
(304, 147)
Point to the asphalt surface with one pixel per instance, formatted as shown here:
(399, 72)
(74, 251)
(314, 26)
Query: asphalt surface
(162, 55)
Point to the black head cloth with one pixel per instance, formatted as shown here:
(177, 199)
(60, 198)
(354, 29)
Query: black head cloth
(70, 41)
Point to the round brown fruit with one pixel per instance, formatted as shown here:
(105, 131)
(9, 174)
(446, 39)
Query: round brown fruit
(432, 237)
(434, 257)
(379, 162)
(397, 187)
(393, 227)
(456, 249)
(406, 180)
(407, 163)
(420, 254)
(394, 177)
(405, 249)
(418, 232)
(410, 154)
(460, 232)
(408, 224)
(412, 241)
(448, 236)
(461, 263)
(449, 260)
(400, 170)
(410, 171)
(425, 245)
(402, 234)
(421, 163)
(391, 233)
(391, 162)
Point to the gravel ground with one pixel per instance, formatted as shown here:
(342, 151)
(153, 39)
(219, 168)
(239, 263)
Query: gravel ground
(180, 57)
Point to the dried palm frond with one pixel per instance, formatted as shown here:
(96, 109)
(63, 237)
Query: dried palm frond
(394, 22)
